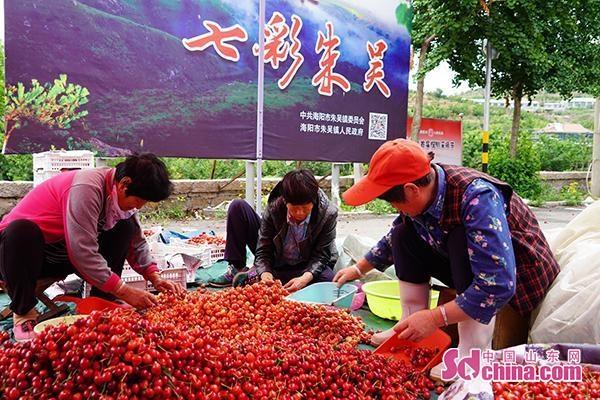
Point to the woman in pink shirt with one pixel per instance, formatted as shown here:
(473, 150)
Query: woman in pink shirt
(83, 222)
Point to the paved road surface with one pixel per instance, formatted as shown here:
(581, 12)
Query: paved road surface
(376, 226)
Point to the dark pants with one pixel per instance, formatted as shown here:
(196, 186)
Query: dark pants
(23, 261)
(416, 262)
(285, 273)
(243, 224)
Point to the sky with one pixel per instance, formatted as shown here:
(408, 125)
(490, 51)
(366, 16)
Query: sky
(439, 78)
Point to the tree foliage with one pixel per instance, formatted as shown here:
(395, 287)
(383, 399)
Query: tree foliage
(435, 25)
(542, 45)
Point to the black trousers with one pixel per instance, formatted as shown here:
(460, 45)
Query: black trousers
(416, 262)
(23, 259)
(243, 224)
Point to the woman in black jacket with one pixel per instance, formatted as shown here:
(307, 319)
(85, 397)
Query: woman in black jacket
(294, 242)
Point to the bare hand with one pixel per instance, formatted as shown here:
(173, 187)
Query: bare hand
(298, 283)
(417, 326)
(346, 274)
(267, 277)
(136, 297)
(163, 285)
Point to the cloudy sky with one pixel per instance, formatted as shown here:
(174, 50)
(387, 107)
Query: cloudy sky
(440, 78)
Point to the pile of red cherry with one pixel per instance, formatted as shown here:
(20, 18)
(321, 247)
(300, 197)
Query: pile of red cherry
(243, 343)
(204, 239)
(419, 356)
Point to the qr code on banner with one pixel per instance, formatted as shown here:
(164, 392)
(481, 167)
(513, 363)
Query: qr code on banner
(378, 126)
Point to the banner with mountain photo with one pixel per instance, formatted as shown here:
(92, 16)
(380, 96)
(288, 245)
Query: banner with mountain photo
(180, 77)
(148, 84)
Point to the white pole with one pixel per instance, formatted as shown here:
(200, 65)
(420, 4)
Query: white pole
(250, 173)
(486, 106)
(335, 184)
(596, 153)
(258, 206)
(358, 173)
(488, 85)
(260, 105)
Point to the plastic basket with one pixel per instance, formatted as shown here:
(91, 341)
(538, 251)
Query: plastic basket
(90, 304)
(51, 163)
(326, 293)
(177, 275)
(193, 256)
(132, 279)
(438, 341)
(59, 160)
(135, 280)
(41, 176)
(216, 253)
(383, 298)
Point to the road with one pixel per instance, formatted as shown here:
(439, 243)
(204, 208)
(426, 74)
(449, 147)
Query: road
(376, 226)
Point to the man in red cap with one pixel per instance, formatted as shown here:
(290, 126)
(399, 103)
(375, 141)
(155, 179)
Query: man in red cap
(463, 227)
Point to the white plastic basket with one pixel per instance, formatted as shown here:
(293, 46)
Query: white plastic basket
(216, 253)
(51, 163)
(190, 255)
(133, 279)
(41, 176)
(177, 275)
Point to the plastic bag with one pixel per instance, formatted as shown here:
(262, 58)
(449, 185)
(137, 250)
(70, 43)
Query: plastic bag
(569, 312)
(344, 260)
(356, 247)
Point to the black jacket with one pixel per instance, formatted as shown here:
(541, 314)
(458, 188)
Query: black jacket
(317, 250)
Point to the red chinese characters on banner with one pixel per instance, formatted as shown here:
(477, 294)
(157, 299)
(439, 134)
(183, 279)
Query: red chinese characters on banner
(294, 53)
(375, 74)
(218, 38)
(326, 78)
(277, 49)
(281, 42)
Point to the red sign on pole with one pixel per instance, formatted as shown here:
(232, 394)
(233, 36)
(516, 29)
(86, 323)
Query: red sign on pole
(443, 137)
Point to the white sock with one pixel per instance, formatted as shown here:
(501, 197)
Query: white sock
(413, 297)
(474, 335)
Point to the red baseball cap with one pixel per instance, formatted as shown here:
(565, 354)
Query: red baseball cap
(394, 163)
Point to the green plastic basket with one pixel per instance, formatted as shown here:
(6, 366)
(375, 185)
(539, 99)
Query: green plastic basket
(383, 298)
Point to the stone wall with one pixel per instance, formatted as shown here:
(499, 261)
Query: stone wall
(559, 179)
(11, 192)
(194, 195)
(188, 195)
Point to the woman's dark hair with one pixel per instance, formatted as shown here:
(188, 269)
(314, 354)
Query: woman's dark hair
(299, 187)
(396, 193)
(149, 177)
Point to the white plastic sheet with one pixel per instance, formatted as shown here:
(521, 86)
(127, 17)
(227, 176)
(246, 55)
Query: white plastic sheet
(570, 312)
(353, 248)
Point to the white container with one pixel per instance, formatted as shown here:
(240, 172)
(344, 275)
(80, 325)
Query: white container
(51, 163)
(133, 279)
(217, 252)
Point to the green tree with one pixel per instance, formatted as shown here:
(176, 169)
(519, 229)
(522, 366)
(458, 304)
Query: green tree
(533, 39)
(550, 44)
(576, 67)
(436, 29)
(52, 105)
